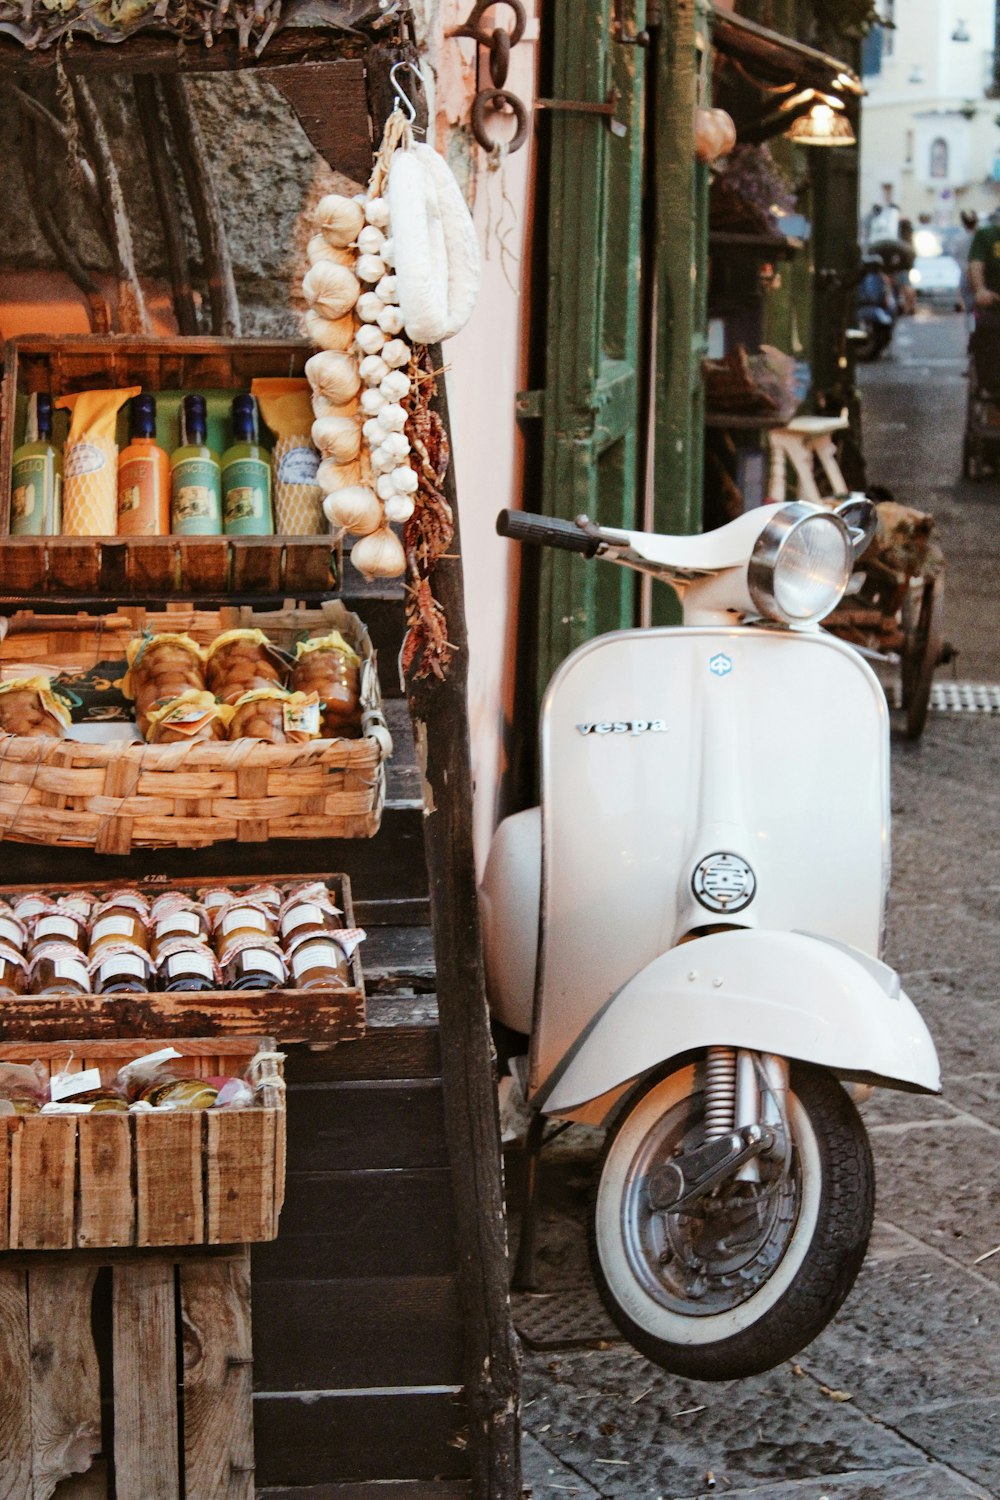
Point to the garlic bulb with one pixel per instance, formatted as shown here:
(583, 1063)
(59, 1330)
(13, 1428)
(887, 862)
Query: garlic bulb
(389, 253)
(391, 418)
(396, 353)
(373, 369)
(379, 555)
(396, 445)
(372, 402)
(369, 338)
(384, 487)
(337, 438)
(333, 374)
(340, 219)
(356, 509)
(331, 476)
(399, 508)
(382, 460)
(390, 320)
(370, 268)
(369, 306)
(404, 480)
(395, 385)
(331, 288)
(386, 289)
(319, 248)
(372, 432)
(328, 333)
(377, 212)
(370, 240)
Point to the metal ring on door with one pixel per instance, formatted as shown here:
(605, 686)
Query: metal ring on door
(497, 101)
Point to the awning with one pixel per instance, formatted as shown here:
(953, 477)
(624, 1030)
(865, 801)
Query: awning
(770, 67)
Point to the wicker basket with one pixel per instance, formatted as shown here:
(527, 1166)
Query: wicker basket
(117, 797)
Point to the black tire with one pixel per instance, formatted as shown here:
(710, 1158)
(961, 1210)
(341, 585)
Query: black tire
(832, 1182)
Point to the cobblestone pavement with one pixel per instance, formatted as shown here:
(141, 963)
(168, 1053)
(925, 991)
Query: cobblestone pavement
(900, 1396)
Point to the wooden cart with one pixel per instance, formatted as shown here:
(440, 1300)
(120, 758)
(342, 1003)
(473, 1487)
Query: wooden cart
(384, 1359)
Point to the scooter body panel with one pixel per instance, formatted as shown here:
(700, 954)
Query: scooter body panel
(664, 749)
(784, 992)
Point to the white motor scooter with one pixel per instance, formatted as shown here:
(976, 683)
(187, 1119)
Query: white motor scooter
(689, 930)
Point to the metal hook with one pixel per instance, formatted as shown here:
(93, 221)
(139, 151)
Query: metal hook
(402, 97)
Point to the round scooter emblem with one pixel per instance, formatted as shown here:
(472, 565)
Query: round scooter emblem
(724, 883)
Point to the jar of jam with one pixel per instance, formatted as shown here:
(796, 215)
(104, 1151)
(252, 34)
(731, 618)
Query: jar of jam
(13, 933)
(184, 922)
(242, 920)
(58, 969)
(115, 924)
(264, 895)
(253, 965)
(13, 971)
(306, 918)
(57, 925)
(186, 966)
(215, 898)
(120, 970)
(26, 908)
(319, 964)
(81, 904)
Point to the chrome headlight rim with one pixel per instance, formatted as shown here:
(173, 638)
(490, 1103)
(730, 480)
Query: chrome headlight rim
(787, 520)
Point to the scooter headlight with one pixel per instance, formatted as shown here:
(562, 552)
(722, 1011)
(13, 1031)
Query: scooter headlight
(801, 565)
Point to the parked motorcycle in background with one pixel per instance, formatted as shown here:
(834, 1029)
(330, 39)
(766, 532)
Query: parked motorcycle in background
(688, 932)
(877, 309)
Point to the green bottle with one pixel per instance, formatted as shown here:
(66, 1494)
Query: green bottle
(36, 476)
(246, 477)
(195, 477)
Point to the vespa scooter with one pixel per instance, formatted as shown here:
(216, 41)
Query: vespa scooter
(689, 931)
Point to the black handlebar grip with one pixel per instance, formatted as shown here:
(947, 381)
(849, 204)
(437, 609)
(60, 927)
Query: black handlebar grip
(545, 531)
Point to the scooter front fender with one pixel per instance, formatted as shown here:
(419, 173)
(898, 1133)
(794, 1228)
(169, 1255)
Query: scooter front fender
(800, 996)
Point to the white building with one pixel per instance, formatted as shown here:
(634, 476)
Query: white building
(930, 142)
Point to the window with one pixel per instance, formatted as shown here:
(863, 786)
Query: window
(939, 157)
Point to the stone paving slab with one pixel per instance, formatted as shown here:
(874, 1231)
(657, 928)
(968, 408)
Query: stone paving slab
(964, 1434)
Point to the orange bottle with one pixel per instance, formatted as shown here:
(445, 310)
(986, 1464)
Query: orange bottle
(143, 476)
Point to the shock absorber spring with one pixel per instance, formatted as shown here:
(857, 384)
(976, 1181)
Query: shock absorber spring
(720, 1092)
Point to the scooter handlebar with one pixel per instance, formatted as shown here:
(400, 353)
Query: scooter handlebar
(545, 531)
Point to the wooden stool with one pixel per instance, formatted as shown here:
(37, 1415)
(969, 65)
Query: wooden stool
(192, 1443)
(801, 443)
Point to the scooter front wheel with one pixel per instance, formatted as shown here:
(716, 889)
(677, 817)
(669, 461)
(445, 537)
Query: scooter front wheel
(752, 1272)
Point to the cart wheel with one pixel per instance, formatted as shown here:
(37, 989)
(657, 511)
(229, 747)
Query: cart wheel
(921, 623)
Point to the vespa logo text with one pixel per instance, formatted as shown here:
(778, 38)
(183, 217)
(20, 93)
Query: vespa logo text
(626, 726)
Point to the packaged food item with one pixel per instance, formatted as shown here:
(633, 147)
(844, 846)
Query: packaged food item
(24, 1088)
(253, 964)
(59, 925)
(29, 706)
(318, 963)
(126, 897)
(36, 475)
(196, 476)
(184, 965)
(121, 968)
(99, 1101)
(187, 922)
(240, 661)
(308, 914)
(30, 905)
(160, 668)
(13, 971)
(143, 476)
(277, 716)
(58, 968)
(246, 476)
(90, 462)
(159, 1081)
(119, 920)
(329, 667)
(214, 897)
(266, 895)
(242, 919)
(13, 934)
(192, 716)
(180, 1093)
(286, 407)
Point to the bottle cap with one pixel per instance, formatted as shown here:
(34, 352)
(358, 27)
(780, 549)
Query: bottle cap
(43, 414)
(143, 417)
(244, 418)
(195, 419)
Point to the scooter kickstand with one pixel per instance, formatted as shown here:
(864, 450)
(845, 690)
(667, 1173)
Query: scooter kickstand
(524, 1277)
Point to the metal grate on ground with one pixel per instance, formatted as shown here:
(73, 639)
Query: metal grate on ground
(570, 1318)
(965, 698)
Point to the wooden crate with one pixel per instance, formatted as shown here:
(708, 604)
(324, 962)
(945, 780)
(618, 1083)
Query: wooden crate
(185, 1177)
(149, 567)
(168, 1339)
(317, 1016)
(116, 797)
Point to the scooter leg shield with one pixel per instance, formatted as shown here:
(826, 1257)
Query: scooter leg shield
(800, 996)
(509, 899)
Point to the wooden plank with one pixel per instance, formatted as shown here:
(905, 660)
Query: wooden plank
(320, 1435)
(357, 1332)
(65, 1379)
(170, 1208)
(43, 1182)
(385, 1489)
(218, 1380)
(15, 1387)
(145, 1381)
(362, 1224)
(94, 1485)
(330, 103)
(8, 1127)
(364, 1125)
(240, 1175)
(387, 1053)
(147, 52)
(106, 1205)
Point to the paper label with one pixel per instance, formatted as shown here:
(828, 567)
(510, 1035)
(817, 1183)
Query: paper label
(190, 963)
(301, 718)
(83, 458)
(28, 494)
(195, 506)
(68, 969)
(244, 917)
(316, 956)
(65, 1085)
(299, 916)
(11, 933)
(259, 958)
(181, 921)
(123, 963)
(56, 927)
(246, 503)
(298, 466)
(110, 927)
